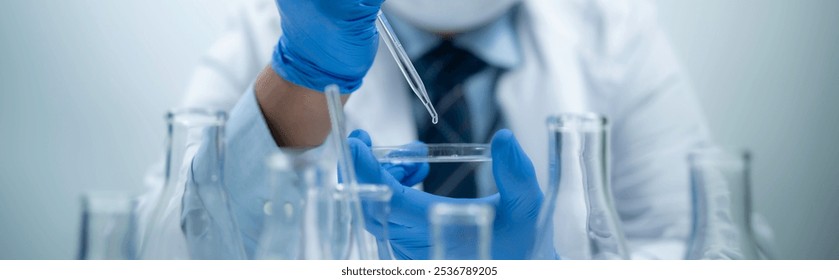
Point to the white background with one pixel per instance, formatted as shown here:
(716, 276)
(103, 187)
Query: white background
(84, 85)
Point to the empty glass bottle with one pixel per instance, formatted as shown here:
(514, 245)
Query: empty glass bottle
(722, 211)
(109, 229)
(578, 218)
(461, 231)
(191, 216)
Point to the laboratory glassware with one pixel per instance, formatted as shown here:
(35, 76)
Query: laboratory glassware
(433, 153)
(404, 63)
(578, 219)
(298, 215)
(461, 231)
(346, 193)
(109, 226)
(375, 200)
(191, 216)
(720, 183)
(468, 157)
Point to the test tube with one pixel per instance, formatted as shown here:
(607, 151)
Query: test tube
(461, 231)
(405, 64)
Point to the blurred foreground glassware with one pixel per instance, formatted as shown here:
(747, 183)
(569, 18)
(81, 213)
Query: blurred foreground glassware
(109, 229)
(375, 200)
(578, 200)
(191, 218)
(461, 231)
(299, 207)
(309, 214)
(343, 232)
(349, 209)
(722, 208)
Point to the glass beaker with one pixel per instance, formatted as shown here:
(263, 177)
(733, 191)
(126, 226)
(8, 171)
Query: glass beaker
(109, 228)
(309, 215)
(291, 229)
(720, 183)
(461, 231)
(375, 201)
(191, 217)
(579, 219)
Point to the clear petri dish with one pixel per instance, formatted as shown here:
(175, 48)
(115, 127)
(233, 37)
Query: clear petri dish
(433, 153)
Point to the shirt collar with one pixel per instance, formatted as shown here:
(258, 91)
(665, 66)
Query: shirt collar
(495, 43)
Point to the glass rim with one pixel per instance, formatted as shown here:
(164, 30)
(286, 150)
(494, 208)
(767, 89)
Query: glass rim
(109, 201)
(587, 121)
(378, 192)
(292, 158)
(200, 116)
(442, 212)
(719, 156)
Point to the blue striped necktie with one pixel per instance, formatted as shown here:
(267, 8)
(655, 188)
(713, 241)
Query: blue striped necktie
(444, 70)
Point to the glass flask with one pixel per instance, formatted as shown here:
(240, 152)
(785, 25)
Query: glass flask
(375, 200)
(578, 198)
(722, 211)
(109, 228)
(461, 231)
(191, 217)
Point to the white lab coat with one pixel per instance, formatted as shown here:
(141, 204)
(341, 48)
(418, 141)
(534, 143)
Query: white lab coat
(603, 56)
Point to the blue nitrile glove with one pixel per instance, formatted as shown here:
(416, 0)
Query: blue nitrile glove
(516, 205)
(326, 42)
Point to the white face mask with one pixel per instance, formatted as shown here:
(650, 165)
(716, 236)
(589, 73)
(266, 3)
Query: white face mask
(449, 16)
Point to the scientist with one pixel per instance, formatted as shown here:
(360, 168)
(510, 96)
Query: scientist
(488, 65)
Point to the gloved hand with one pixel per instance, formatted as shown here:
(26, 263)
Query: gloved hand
(516, 205)
(326, 42)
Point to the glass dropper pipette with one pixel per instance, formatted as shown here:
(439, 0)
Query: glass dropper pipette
(404, 63)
